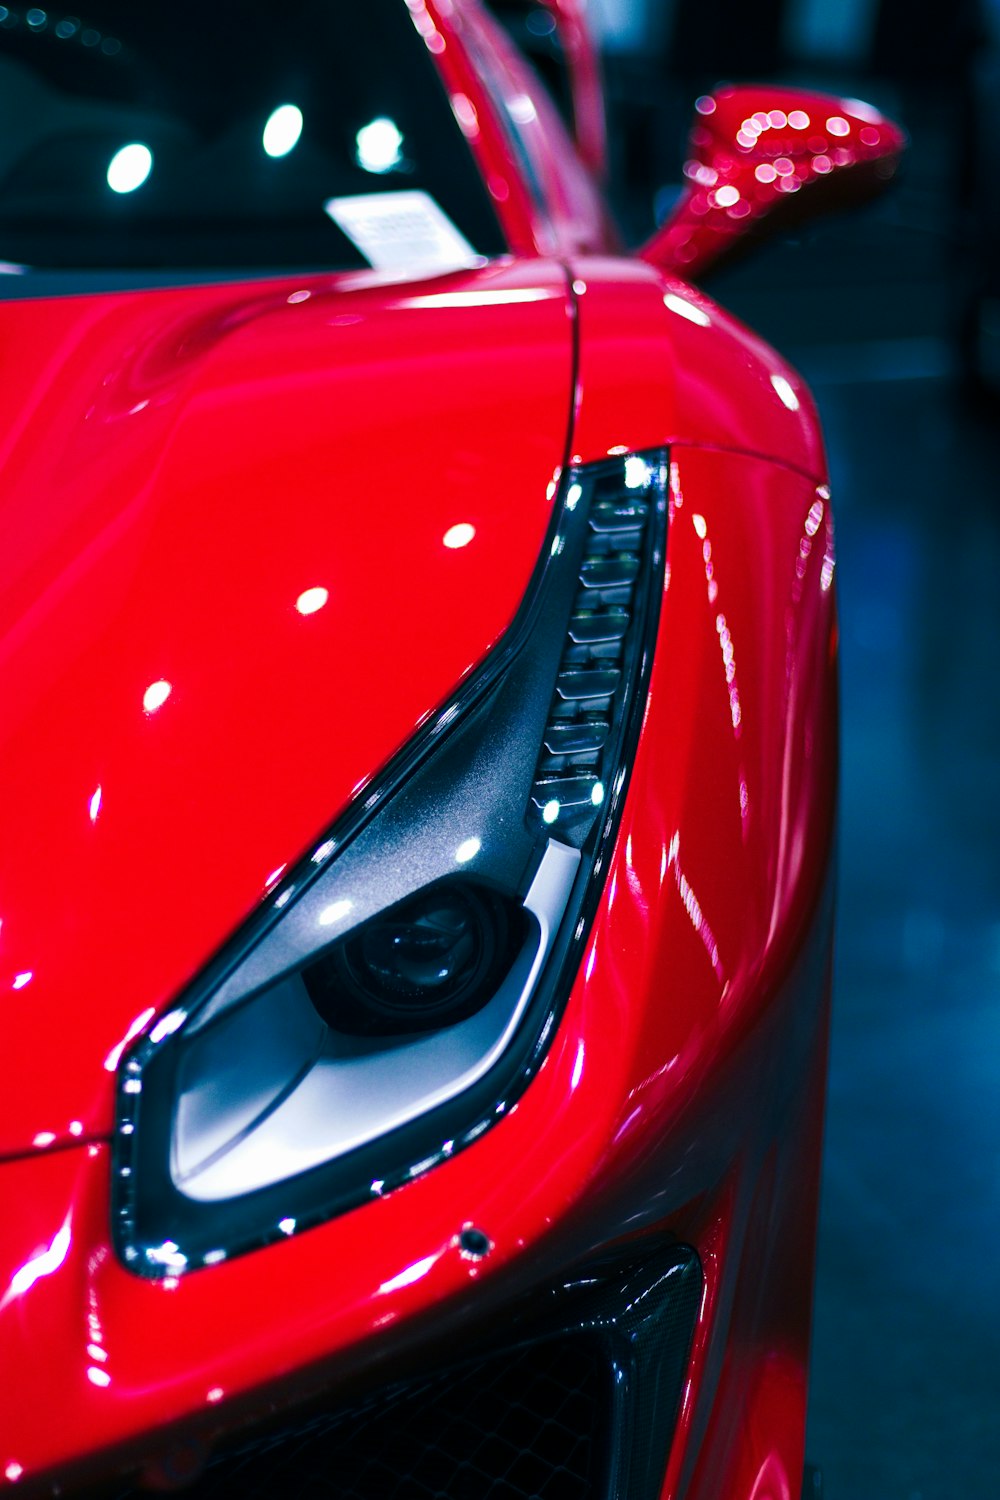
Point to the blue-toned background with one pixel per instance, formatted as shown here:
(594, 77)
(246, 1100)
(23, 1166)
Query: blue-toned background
(893, 315)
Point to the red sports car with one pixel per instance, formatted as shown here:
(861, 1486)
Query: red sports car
(418, 759)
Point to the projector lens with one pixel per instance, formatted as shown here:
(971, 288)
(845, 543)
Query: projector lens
(428, 962)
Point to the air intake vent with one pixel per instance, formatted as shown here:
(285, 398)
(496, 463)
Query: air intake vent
(581, 1406)
(623, 501)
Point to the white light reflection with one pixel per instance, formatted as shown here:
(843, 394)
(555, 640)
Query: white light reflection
(45, 1264)
(729, 666)
(685, 309)
(467, 849)
(864, 111)
(814, 518)
(459, 536)
(830, 553)
(577, 1067)
(97, 1376)
(282, 131)
(409, 1276)
(114, 1057)
(168, 1254)
(43, 1138)
(13, 1472)
(129, 168)
(785, 393)
(311, 600)
(479, 299)
(95, 805)
(335, 912)
(693, 909)
(550, 811)
(379, 145)
(522, 109)
(573, 495)
(637, 472)
(156, 695)
(20, 980)
(170, 1023)
(287, 1226)
(465, 113)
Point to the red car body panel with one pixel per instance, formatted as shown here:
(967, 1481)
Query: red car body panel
(355, 426)
(696, 375)
(158, 425)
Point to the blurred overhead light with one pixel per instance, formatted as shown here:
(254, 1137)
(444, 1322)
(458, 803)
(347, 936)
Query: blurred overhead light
(379, 145)
(129, 168)
(282, 131)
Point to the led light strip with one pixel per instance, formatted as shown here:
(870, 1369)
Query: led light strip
(570, 780)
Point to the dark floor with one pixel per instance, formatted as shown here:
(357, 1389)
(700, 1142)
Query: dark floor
(905, 1401)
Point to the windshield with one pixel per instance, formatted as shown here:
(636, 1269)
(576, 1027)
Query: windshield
(156, 137)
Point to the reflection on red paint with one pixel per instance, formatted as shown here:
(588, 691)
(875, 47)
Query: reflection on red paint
(39, 1266)
(693, 909)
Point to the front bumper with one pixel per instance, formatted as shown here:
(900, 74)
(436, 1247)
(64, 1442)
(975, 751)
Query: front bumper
(571, 1396)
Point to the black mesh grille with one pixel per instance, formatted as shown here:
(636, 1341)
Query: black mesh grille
(514, 1426)
(578, 1403)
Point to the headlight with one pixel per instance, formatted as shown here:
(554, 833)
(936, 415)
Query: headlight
(396, 993)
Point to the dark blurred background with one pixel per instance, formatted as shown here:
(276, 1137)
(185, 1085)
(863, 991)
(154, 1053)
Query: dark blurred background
(893, 316)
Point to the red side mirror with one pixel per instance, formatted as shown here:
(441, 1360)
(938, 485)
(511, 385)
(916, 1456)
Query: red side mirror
(763, 157)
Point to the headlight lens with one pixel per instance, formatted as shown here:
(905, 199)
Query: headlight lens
(398, 990)
(432, 960)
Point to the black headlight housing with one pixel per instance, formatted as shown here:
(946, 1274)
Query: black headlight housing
(397, 991)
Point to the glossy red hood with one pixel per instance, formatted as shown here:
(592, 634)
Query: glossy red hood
(178, 470)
